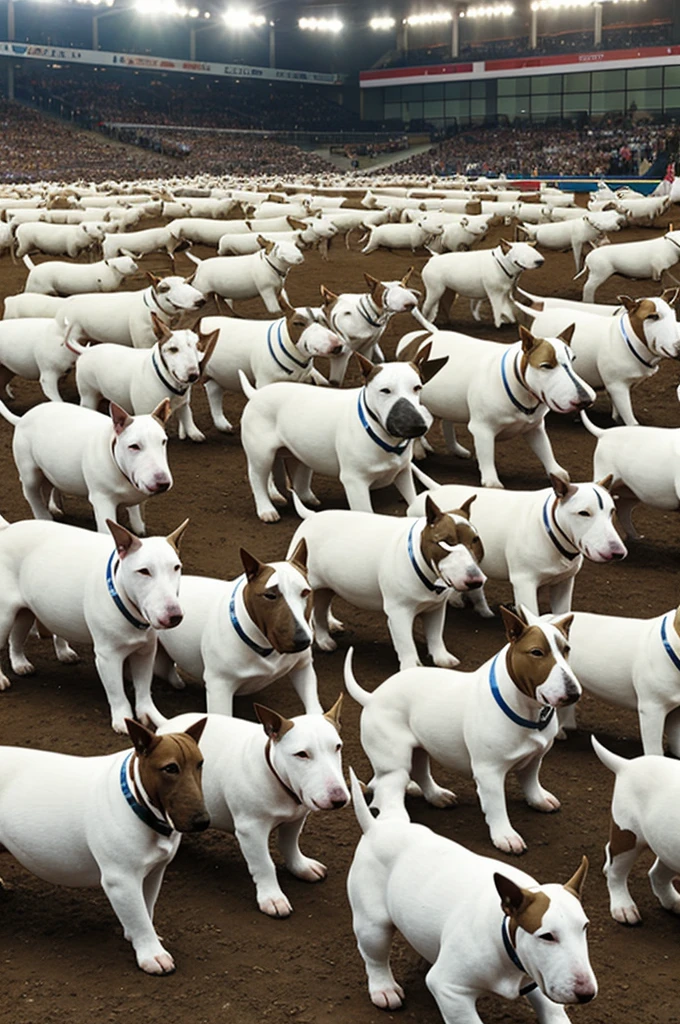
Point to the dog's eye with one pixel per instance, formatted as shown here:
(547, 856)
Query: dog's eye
(199, 766)
(134, 448)
(338, 748)
(417, 388)
(545, 366)
(385, 391)
(653, 316)
(584, 512)
(173, 349)
(303, 755)
(547, 937)
(171, 769)
(144, 572)
(536, 652)
(304, 594)
(270, 595)
(177, 568)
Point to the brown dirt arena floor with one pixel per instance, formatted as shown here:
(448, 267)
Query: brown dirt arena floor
(62, 954)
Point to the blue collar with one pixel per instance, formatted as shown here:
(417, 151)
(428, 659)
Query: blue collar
(569, 555)
(171, 387)
(143, 812)
(286, 369)
(512, 953)
(436, 588)
(629, 343)
(544, 718)
(666, 643)
(264, 652)
(394, 449)
(506, 384)
(137, 623)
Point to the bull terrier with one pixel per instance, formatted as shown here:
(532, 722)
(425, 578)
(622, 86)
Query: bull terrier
(501, 392)
(487, 723)
(262, 273)
(529, 939)
(110, 460)
(239, 636)
(404, 567)
(644, 816)
(37, 348)
(364, 436)
(82, 590)
(637, 260)
(114, 820)
(261, 777)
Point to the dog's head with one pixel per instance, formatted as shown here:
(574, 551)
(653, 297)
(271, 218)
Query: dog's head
(306, 754)
(536, 658)
(309, 331)
(584, 515)
(285, 253)
(653, 321)
(393, 296)
(606, 220)
(521, 256)
(545, 367)
(149, 573)
(278, 599)
(392, 393)
(175, 293)
(451, 545)
(547, 926)
(184, 353)
(169, 769)
(140, 448)
(123, 265)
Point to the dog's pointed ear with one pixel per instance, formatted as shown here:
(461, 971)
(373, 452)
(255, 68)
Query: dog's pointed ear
(126, 542)
(513, 898)
(121, 419)
(196, 730)
(365, 365)
(405, 279)
(162, 412)
(567, 334)
(190, 279)
(274, 724)
(514, 625)
(527, 338)
(155, 281)
(371, 281)
(464, 509)
(606, 482)
(327, 295)
(206, 344)
(628, 303)
(175, 538)
(333, 716)
(431, 367)
(299, 556)
(577, 880)
(142, 738)
(297, 225)
(432, 511)
(564, 625)
(251, 564)
(161, 330)
(505, 246)
(286, 307)
(670, 295)
(561, 488)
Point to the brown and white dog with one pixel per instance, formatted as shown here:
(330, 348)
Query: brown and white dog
(404, 567)
(497, 719)
(240, 635)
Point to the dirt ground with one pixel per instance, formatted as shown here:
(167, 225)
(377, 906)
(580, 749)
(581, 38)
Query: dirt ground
(62, 952)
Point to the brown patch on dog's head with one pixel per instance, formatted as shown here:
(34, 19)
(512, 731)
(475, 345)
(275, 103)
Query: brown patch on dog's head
(530, 658)
(265, 244)
(377, 290)
(638, 312)
(537, 352)
(525, 909)
(440, 529)
(155, 281)
(296, 321)
(170, 772)
(577, 880)
(329, 297)
(275, 725)
(266, 605)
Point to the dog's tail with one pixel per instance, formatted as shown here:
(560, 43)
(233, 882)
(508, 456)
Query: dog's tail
(354, 690)
(424, 479)
(194, 259)
(9, 416)
(361, 811)
(590, 426)
(535, 302)
(610, 760)
(246, 386)
(525, 315)
(302, 510)
(580, 273)
(28, 262)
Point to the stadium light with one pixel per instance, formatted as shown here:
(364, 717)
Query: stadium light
(333, 25)
(489, 11)
(240, 18)
(382, 23)
(152, 7)
(433, 18)
(557, 5)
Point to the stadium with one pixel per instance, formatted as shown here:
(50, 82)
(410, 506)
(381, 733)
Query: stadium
(458, 221)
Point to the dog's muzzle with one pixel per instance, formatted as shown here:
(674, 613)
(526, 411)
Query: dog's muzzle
(404, 420)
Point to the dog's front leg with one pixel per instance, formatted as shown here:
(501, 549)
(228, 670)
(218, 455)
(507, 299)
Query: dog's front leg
(490, 782)
(185, 418)
(124, 889)
(104, 508)
(539, 442)
(305, 684)
(339, 367)
(215, 396)
(302, 867)
(534, 793)
(524, 591)
(49, 382)
(404, 484)
(560, 595)
(547, 1012)
(652, 715)
(136, 517)
(485, 448)
(433, 623)
(219, 692)
(622, 407)
(141, 669)
(253, 838)
(109, 664)
(400, 619)
(152, 887)
(457, 1005)
(358, 492)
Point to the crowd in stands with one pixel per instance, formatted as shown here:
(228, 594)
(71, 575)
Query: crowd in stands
(532, 151)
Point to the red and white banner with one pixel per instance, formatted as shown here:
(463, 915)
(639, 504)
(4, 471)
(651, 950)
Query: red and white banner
(603, 60)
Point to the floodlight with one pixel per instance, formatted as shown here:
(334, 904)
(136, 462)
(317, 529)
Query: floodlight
(241, 17)
(433, 18)
(382, 23)
(333, 25)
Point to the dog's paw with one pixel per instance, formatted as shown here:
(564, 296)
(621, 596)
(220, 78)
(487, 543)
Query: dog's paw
(162, 963)
(460, 452)
(66, 655)
(224, 427)
(118, 725)
(309, 870)
(388, 998)
(276, 906)
(271, 516)
(441, 798)
(326, 643)
(22, 666)
(628, 914)
(510, 843)
(197, 436)
(176, 680)
(492, 481)
(446, 660)
(309, 499)
(547, 804)
(4, 682)
(335, 625)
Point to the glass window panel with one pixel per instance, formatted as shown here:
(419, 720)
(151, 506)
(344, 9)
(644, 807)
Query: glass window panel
(608, 80)
(457, 108)
(433, 108)
(671, 99)
(411, 110)
(393, 94)
(393, 111)
(645, 99)
(645, 78)
(545, 106)
(478, 90)
(603, 102)
(478, 108)
(576, 104)
(507, 106)
(577, 82)
(411, 92)
(433, 92)
(671, 76)
(514, 86)
(457, 90)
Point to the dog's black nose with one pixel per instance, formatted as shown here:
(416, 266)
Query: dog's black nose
(585, 997)
(200, 823)
(161, 487)
(475, 585)
(174, 620)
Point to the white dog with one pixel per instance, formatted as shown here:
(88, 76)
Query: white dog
(114, 820)
(644, 816)
(404, 567)
(245, 277)
(639, 260)
(487, 723)
(240, 635)
(139, 379)
(590, 229)
(58, 239)
(501, 392)
(361, 435)
(258, 778)
(537, 539)
(481, 274)
(57, 278)
(438, 895)
(110, 460)
(39, 349)
(83, 589)
(30, 304)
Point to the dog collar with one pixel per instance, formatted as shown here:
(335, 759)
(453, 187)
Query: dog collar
(155, 351)
(632, 348)
(368, 314)
(117, 464)
(569, 555)
(436, 588)
(264, 652)
(282, 273)
(506, 384)
(508, 273)
(278, 324)
(667, 646)
(512, 953)
(117, 600)
(268, 758)
(394, 449)
(546, 714)
(143, 812)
